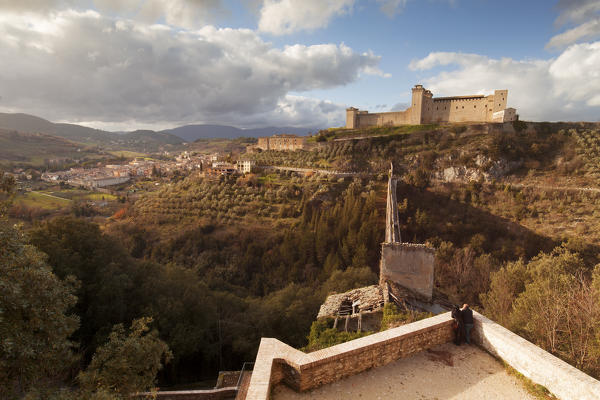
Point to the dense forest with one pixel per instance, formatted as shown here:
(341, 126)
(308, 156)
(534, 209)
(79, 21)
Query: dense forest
(196, 272)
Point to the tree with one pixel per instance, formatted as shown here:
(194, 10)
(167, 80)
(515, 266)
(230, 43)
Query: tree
(128, 362)
(106, 294)
(34, 322)
(540, 311)
(7, 188)
(506, 284)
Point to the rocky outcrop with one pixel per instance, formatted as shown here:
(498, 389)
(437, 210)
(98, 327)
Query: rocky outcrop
(484, 169)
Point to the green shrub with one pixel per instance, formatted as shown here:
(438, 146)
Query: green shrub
(321, 336)
(393, 316)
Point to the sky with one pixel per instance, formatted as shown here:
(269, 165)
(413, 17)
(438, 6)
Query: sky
(156, 64)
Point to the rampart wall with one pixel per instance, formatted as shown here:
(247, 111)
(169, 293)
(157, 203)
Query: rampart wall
(561, 379)
(277, 362)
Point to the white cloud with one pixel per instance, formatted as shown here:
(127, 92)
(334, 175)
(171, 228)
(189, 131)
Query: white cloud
(280, 17)
(188, 14)
(587, 30)
(565, 88)
(182, 13)
(37, 6)
(91, 68)
(287, 16)
(584, 14)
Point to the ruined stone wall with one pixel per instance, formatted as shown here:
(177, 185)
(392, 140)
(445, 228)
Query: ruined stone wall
(277, 362)
(392, 222)
(369, 321)
(561, 379)
(409, 265)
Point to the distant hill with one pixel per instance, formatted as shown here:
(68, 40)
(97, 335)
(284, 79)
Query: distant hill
(139, 140)
(144, 141)
(32, 124)
(38, 148)
(191, 133)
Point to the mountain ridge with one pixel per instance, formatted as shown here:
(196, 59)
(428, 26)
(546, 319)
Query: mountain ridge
(139, 140)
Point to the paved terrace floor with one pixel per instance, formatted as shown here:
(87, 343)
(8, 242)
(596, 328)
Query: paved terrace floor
(444, 372)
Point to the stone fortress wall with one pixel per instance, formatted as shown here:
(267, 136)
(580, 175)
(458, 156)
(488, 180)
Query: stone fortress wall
(282, 142)
(426, 109)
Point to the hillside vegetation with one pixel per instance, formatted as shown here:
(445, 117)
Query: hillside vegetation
(143, 141)
(218, 263)
(38, 149)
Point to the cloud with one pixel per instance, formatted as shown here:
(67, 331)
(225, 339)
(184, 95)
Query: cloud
(37, 6)
(564, 88)
(392, 7)
(281, 17)
(82, 66)
(584, 14)
(586, 31)
(188, 14)
(400, 106)
(576, 11)
(287, 16)
(182, 13)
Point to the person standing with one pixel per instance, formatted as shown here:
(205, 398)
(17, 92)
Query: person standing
(467, 317)
(459, 327)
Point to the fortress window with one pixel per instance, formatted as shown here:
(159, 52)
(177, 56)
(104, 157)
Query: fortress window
(475, 106)
(463, 106)
(457, 107)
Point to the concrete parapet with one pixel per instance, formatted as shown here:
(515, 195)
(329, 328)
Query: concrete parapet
(561, 379)
(277, 362)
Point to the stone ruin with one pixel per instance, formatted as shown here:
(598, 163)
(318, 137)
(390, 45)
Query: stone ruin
(355, 310)
(406, 273)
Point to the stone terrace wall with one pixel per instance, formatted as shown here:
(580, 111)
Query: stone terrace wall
(561, 379)
(277, 362)
(213, 394)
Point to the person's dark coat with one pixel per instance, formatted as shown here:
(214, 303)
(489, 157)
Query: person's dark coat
(459, 326)
(467, 316)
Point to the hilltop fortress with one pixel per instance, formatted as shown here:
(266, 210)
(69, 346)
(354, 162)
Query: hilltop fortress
(426, 109)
